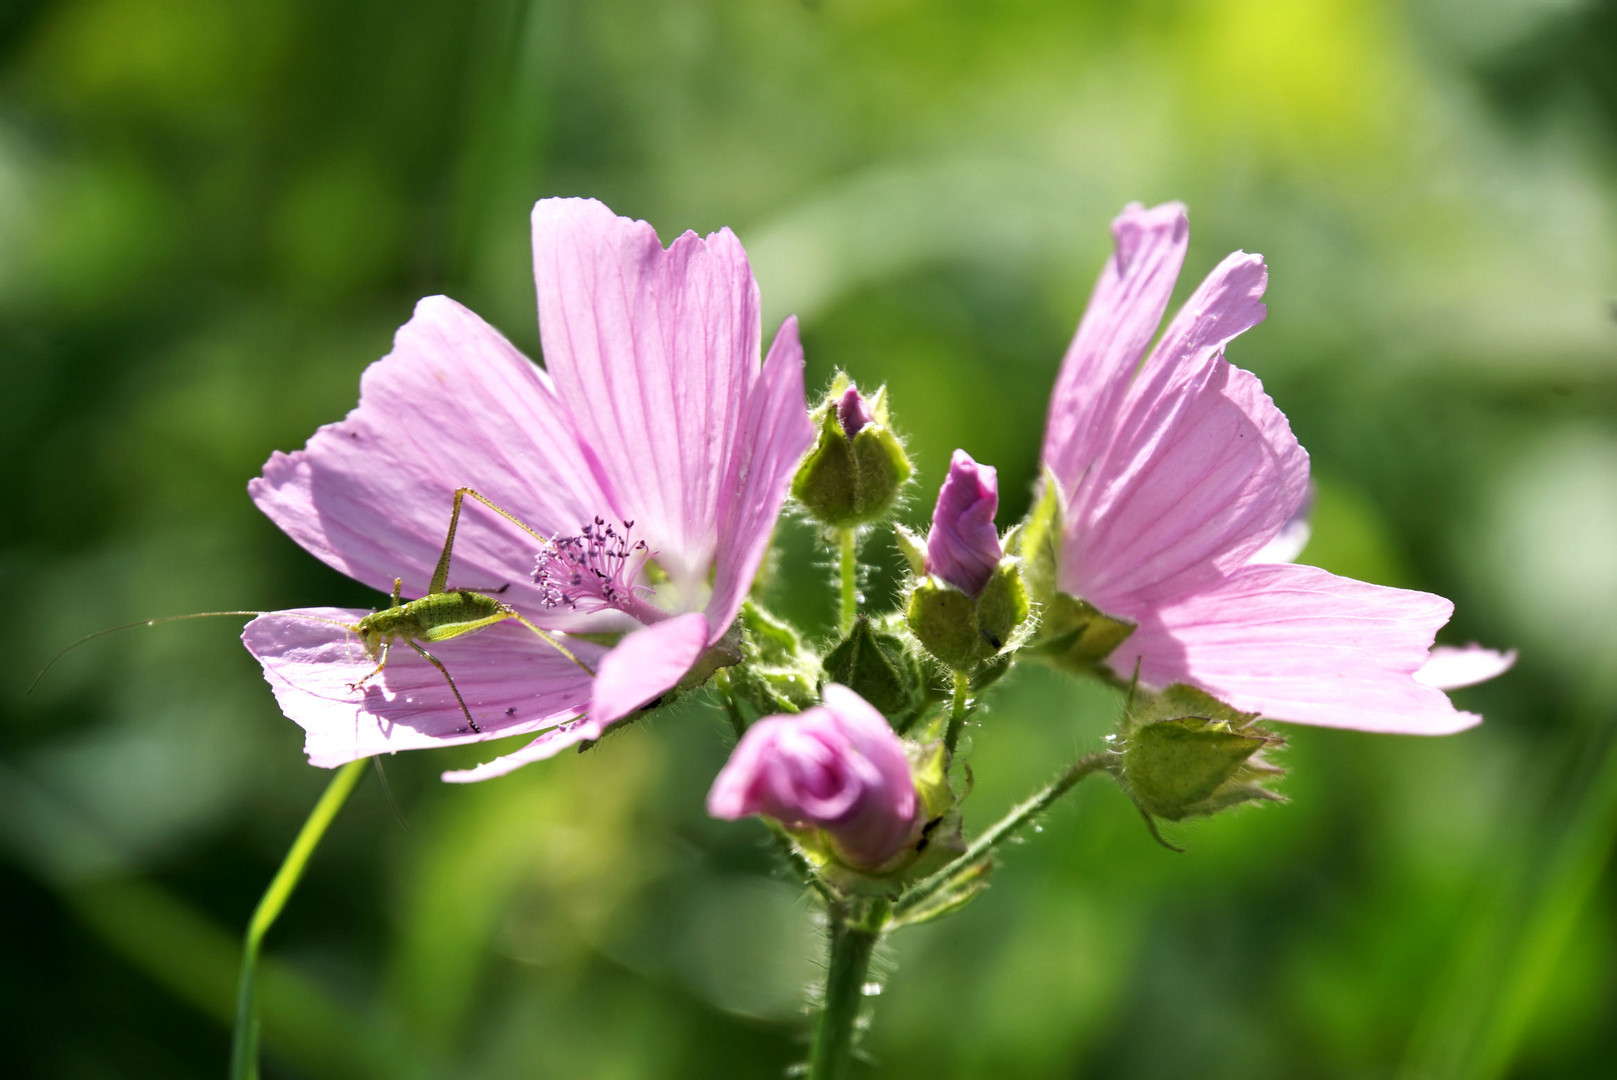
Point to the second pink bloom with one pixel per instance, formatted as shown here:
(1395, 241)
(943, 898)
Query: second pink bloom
(1175, 472)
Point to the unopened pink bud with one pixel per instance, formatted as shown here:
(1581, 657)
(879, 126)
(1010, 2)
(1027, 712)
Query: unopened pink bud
(852, 412)
(963, 547)
(837, 767)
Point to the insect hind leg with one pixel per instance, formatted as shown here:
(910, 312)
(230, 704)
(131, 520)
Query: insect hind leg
(453, 689)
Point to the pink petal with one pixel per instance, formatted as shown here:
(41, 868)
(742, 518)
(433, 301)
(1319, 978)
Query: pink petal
(777, 433)
(654, 353)
(511, 681)
(546, 746)
(836, 766)
(1296, 643)
(1291, 540)
(645, 664)
(876, 741)
(454, 404)
(1202, 470)
(963, 545)
(1123, 314)
(1449, 667)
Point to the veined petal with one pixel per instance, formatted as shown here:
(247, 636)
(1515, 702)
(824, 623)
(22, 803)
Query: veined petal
(646, 663)
(776, 434)
(511, 681)
(1296, 643)
(1450, 667)
(454, 404)
(1202, 471)
(1123, 314)
(654, 352)
(1292, 539)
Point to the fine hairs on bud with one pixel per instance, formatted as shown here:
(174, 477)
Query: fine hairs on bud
(857, 468)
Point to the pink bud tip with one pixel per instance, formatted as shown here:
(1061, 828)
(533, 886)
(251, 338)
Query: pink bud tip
(853, 412)
(837, 767)
(963, 547)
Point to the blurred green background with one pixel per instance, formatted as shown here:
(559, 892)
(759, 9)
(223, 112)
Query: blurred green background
(213, 216)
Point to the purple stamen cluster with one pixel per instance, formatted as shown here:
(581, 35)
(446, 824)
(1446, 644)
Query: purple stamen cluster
(592, 567)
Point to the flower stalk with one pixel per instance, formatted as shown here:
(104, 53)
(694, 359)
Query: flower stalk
(853, 942)
(244, 1045)
(958, 713)
(1002, 830)
(849, 579)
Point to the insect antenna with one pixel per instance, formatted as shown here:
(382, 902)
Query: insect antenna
(166, 619)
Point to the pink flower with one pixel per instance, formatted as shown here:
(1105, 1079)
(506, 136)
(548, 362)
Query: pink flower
(652, 423)
(1177, 473)
(963, 547)
(837, 767)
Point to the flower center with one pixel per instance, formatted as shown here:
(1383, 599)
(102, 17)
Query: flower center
(595, 570)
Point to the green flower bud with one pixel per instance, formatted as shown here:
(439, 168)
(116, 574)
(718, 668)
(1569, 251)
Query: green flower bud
(857, 466)
(875, 664)
(963, 632)
(1187, 754)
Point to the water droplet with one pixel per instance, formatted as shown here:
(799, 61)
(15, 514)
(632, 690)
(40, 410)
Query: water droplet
(871, 989)
(1038, 828)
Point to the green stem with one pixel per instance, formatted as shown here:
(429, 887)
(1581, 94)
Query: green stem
(244, 1047)
(1002, 830)
(851, 949)
(957, 717)
(850, 580)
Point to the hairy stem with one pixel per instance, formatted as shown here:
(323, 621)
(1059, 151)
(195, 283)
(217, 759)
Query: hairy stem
(850, 580)
(244, 1046)
(851, 948)
(957, 716)
(1002, 830)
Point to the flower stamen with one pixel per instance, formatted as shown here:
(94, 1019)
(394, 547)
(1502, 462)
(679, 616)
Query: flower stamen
(594, 570)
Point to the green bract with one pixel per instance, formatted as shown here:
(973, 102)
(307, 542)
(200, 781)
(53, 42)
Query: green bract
(960, 631)
(1072, 633)
(1187, 754)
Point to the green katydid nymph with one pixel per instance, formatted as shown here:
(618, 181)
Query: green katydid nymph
(441, 615)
